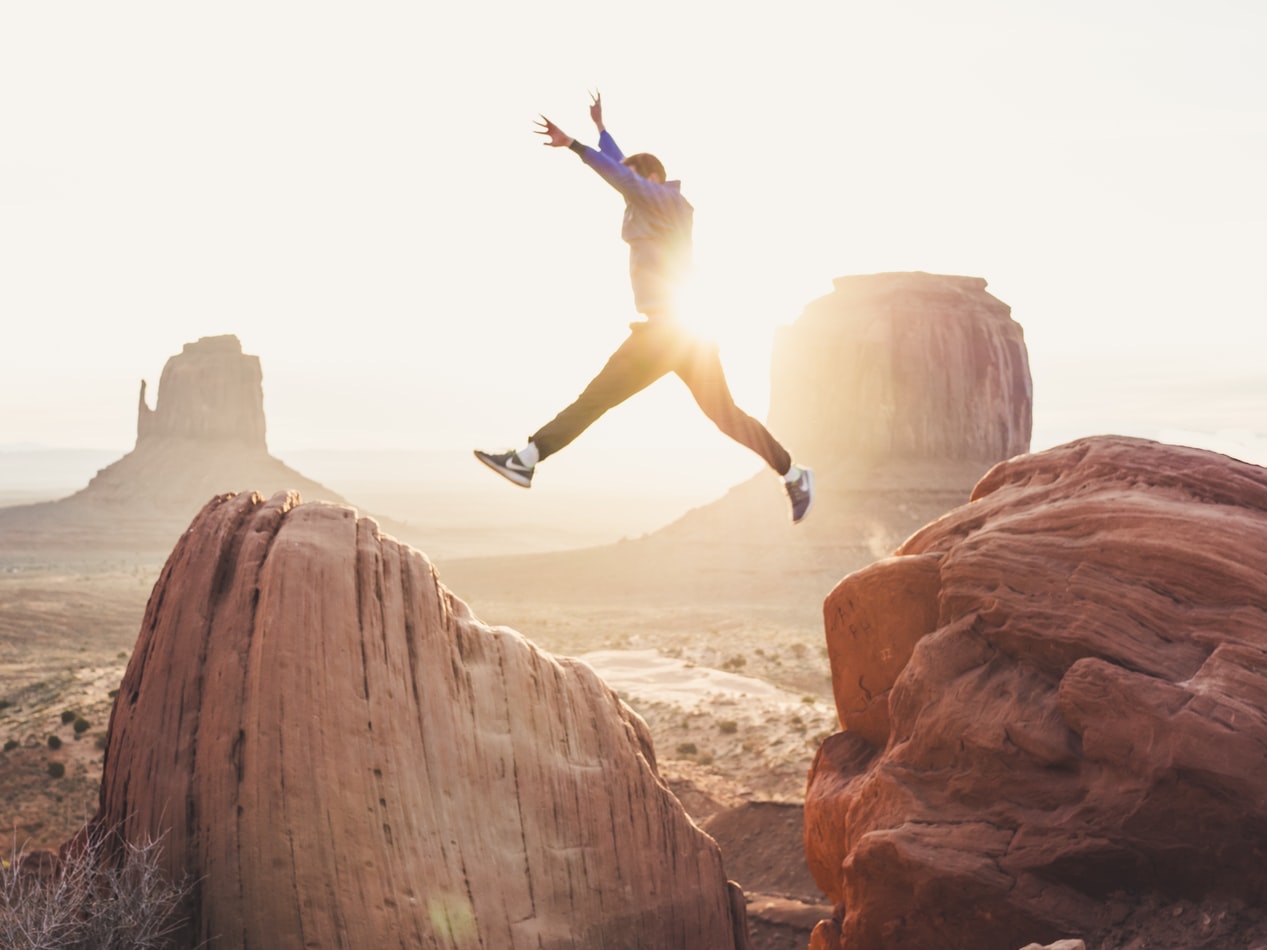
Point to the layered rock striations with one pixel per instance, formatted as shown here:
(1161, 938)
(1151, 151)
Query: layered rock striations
(340, 754)
(1053, 695)
(903, 367)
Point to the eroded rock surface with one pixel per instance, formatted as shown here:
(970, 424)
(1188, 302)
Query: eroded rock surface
(341, 754)
(1053, 694)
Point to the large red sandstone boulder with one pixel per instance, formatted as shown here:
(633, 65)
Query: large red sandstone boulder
(340, 754)
(1054, 693)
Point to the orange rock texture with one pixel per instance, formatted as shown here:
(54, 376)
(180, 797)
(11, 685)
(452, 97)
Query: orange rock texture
(341, 754)
(1051, 696)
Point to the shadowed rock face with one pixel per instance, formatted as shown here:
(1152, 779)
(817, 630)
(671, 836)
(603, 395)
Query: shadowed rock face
(1052, 693)
(342, 755)
(902, 366)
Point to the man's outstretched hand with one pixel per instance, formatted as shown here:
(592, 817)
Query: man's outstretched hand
(555, 136)
(596, 109)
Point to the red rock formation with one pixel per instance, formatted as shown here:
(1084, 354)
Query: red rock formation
(342, 755)
(205, 437)
(210, 392)
(906, 366)
(1050, 694)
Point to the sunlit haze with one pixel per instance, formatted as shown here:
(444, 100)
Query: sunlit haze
(356, 193)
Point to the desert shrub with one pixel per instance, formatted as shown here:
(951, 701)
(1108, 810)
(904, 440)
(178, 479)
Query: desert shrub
(54, 742)
(11, 744)
(68, 715)
(99, 898)
(728, 726)
(799, 650)
(82, 725)
(808, 700)
(5, 704)
(738, 661)
(687, 748)
(56, 769)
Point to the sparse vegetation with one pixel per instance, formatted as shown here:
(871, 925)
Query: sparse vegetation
(736, 662)
(687, 748)
(56, 770)
(5, 704)
(728, 726)
(95, 900)
(82, 725)
(68, 715)
(11, 744)
(54, 742)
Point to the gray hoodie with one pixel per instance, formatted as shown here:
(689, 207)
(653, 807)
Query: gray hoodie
(657, 227)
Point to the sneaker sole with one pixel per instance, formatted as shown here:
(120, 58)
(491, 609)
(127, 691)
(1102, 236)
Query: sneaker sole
(515, 478)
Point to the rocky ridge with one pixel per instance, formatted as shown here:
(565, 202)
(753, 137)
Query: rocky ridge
(1054, 701)
(340, 753)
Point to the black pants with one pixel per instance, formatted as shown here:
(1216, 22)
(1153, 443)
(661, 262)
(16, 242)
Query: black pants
(653, 349)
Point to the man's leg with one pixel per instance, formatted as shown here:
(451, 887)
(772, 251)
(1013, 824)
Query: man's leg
(701, 370)
(647, 354)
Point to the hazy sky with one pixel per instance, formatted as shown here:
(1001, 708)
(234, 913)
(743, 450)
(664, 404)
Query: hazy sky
(354, 190)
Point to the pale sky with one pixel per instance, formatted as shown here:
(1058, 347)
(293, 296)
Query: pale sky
(354, 190)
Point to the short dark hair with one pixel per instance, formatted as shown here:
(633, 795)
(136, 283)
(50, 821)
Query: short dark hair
(646, 165)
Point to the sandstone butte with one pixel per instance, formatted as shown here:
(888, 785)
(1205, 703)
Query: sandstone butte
(1054, 697)
(341, 755)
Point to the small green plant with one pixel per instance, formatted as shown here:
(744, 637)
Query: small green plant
(82, 725)
(54, 742)
(56, 769)
(728, 726)
(687, 748)
(11, 744)
(68, 715)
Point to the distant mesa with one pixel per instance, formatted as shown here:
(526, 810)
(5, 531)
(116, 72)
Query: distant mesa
(337, 752)
(1054, 700)
(212, 393)
(205, 436)
(900, 389)
(909, 366)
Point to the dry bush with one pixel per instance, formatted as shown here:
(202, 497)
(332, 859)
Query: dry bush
(105, 895)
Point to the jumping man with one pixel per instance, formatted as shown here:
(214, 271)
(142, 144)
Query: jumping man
(657, 227)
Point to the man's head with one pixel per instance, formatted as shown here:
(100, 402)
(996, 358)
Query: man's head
(648, 166)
